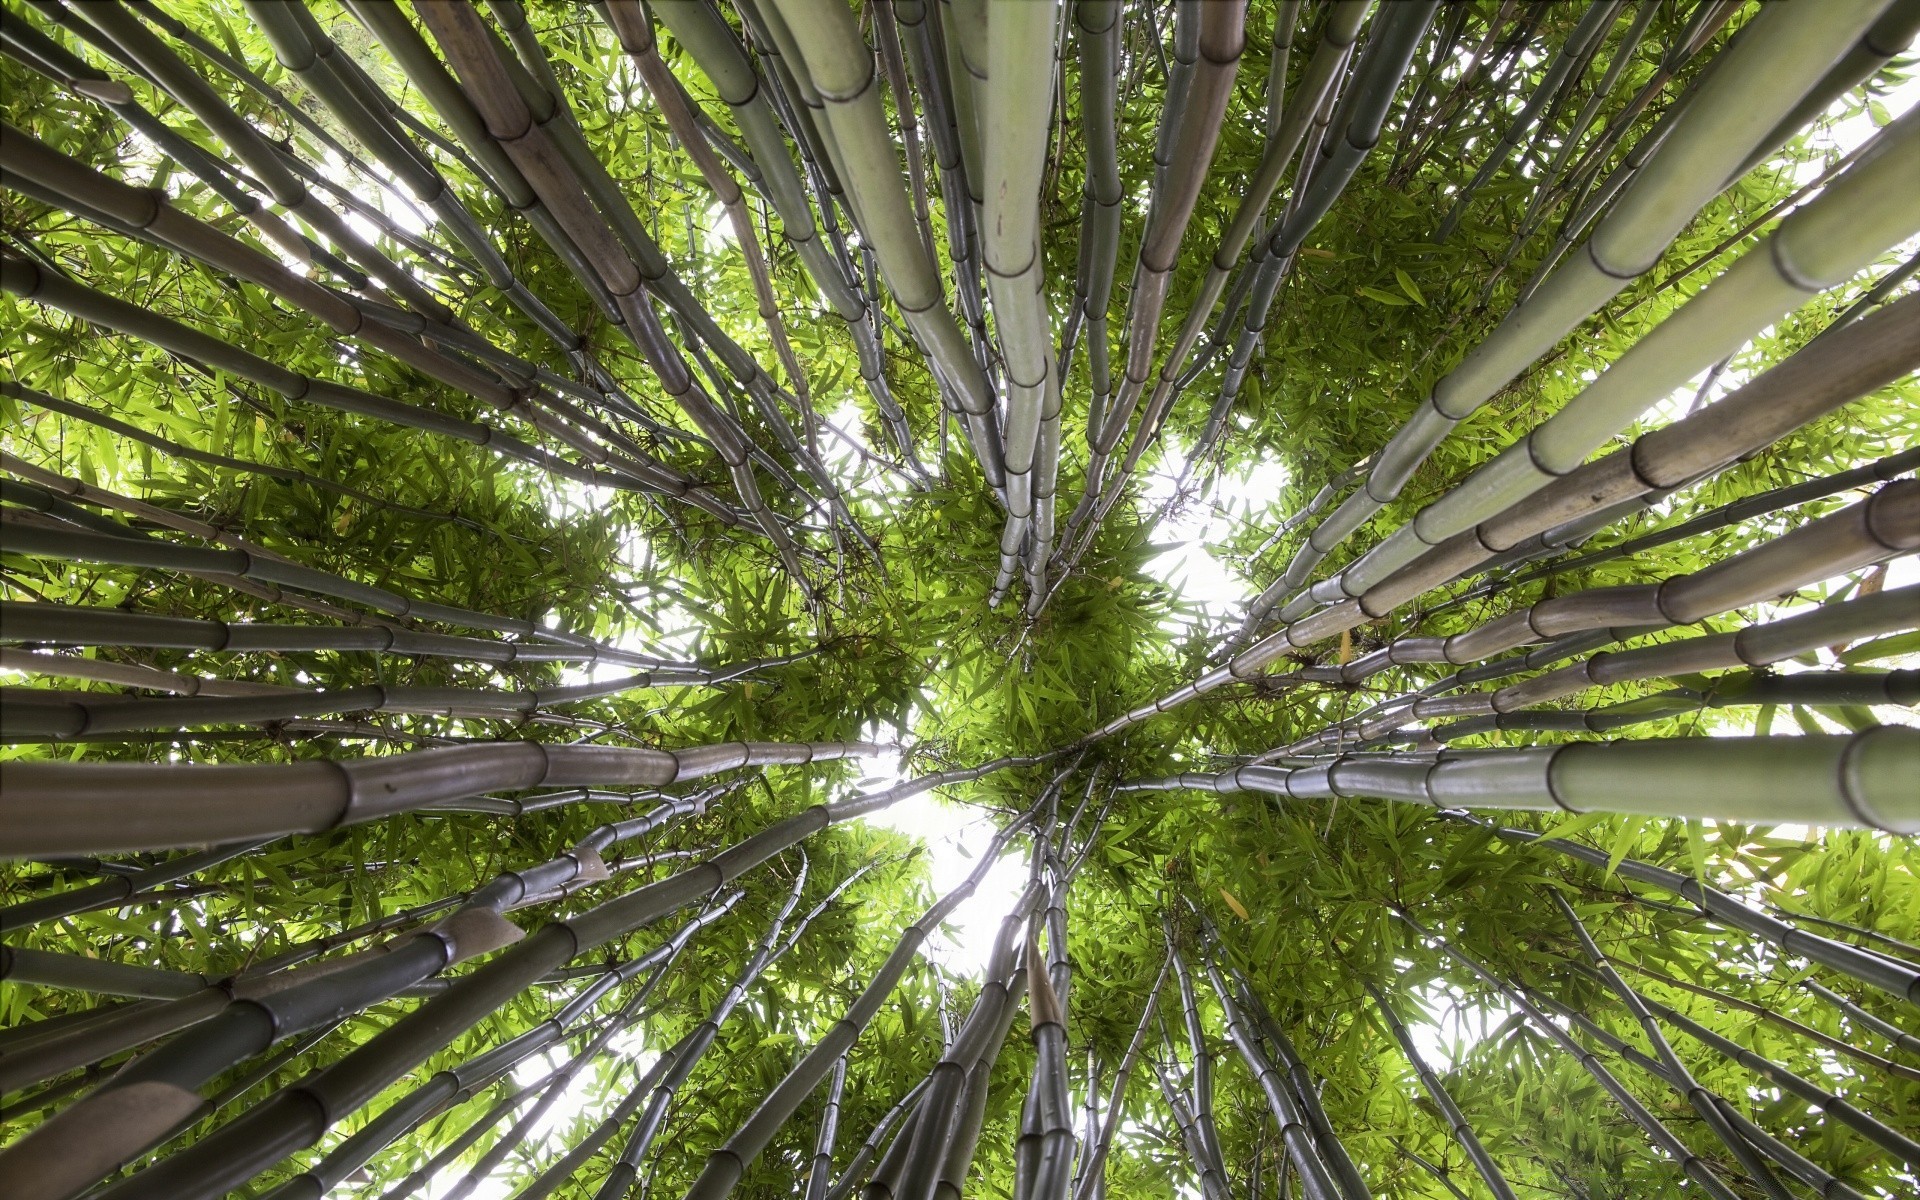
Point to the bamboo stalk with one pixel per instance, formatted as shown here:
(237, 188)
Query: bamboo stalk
(842, 69)
(151, 806)
(142, 48)
(1703, 1102)
(1864, 965)
(1490, 1173)
(1690, 1164)
(1591, 28)
(725, 1166)
(1877, 529)
(1840, 780)
(1755, 83)
(1891, 1140)
(1316, 1181)
(1090, 1176)
(1808, 1172)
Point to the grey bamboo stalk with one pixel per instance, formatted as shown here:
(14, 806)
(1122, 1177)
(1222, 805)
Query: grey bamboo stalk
(117, 890)
(1358, 121)
(627, 264)
(1817, 488)
(292, 1120)
(1593, 24)
(248, 560)
(635, 33)
(152, 55)
(1043, 1155)
(1097, 23)
(450, 1087)
(43, 172)
(1690, 1164)
(725, 1166)
(1090, 1180)
(1803, 1169)
(1195, 130)
(1869, 968)
(902, 1114)
(1859, 1016)
(1755, 83)
(1201, 1085)
(1754, 646)
(1878, 529)
(1337, 36)
(23, 278)
(173, 449)
(1702, 1102)
(1826, 1040)
(1316, 1181)
(155, 806)
(700, 1039)
(1209, 1170)
(1457, 1124)
(820, 1174)
(842, 69)
(82, 625)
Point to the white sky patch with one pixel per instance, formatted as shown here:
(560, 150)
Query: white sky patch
(1191, 569)
(1451, 1028)
(955, 836)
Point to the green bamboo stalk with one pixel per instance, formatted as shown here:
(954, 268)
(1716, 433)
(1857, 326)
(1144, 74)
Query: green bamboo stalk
(1840, 780)
(1457, 1124)
(1013, 105)
(1818, 247)
(842, 69)
(1831, 372)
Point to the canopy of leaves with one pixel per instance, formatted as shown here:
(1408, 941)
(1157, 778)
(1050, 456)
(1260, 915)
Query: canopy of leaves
(884, 623)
